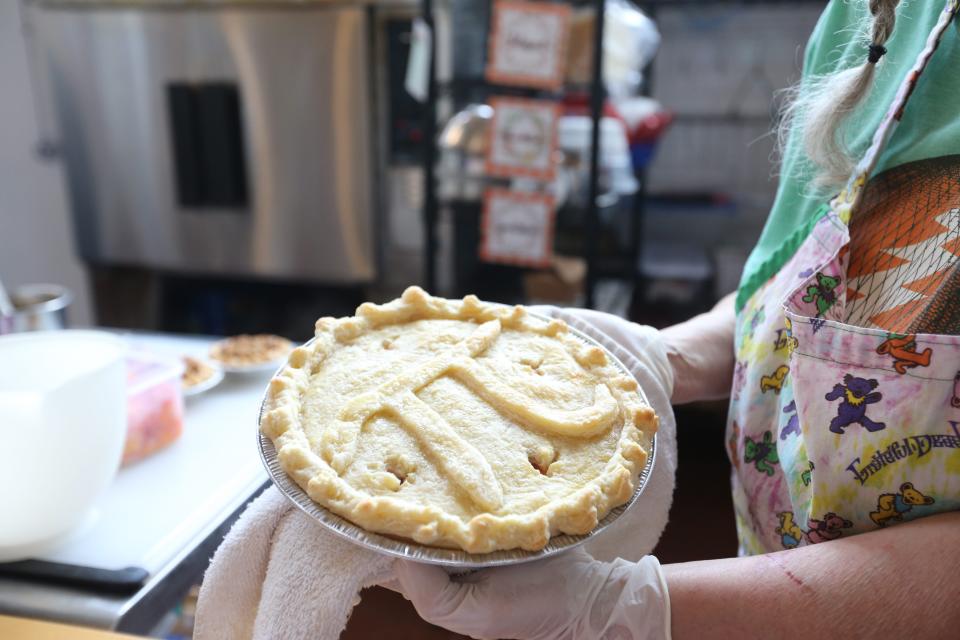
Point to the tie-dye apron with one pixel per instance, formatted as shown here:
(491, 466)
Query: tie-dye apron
(837, 429)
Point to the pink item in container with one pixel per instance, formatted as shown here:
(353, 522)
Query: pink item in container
(154, 405)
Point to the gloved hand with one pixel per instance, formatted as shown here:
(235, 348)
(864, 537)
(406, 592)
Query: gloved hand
(572, 595)
(644, 343)
(694, 360)
(567, 596)
(643, 351)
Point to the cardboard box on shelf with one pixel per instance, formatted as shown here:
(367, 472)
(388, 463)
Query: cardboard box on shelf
(561, 283)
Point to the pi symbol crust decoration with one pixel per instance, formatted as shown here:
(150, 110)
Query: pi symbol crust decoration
(397, 398)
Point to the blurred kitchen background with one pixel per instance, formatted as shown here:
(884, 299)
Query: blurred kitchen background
(222, 167)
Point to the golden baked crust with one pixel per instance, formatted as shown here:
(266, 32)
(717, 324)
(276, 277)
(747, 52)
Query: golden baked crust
(458, 424)
(250, 350)
(194, 372)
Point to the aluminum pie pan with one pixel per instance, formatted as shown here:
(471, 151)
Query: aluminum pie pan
(451, 558)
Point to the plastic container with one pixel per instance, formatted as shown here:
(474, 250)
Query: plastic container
(154, 404)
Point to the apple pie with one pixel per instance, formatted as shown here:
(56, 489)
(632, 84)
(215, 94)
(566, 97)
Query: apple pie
(458, 424)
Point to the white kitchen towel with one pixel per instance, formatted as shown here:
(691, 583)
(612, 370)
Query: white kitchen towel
(280, 574)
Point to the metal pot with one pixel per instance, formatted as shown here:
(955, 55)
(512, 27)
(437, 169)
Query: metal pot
(37, 307)
(463, 145)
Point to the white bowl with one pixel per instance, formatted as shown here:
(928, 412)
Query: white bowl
(63, 419)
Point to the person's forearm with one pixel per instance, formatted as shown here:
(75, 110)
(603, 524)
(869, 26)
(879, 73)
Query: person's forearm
(701, 353)
(892, 583)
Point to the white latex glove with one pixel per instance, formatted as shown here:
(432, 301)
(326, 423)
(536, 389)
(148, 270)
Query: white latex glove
(643, 351)
(644, 343)
(573, 595)
(570, 596)
(693, 360)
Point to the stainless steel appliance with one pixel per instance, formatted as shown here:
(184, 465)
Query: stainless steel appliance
(235, 138)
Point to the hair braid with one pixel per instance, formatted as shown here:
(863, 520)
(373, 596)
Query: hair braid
(821, 105)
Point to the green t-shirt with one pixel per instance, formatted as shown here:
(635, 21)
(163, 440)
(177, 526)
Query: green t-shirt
(930, 126)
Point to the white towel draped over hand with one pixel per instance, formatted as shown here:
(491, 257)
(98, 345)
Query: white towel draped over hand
(279, 574)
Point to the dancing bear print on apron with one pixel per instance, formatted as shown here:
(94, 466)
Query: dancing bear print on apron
(835, 428)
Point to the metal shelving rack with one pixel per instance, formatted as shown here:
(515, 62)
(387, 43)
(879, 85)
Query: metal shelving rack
(598, 266)
(597, 95)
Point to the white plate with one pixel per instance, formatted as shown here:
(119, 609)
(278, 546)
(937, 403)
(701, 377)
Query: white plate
(205, 385)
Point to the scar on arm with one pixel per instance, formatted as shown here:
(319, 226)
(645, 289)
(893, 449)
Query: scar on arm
(777, 561)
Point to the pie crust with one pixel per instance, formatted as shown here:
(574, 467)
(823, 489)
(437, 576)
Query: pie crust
(250, 350)
(458, 424)
(194, 372)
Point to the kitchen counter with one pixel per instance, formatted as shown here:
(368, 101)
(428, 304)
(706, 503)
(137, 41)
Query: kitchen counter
(165, 515)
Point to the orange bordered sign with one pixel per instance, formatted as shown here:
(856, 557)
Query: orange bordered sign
(517, 228)
(522, 138)
(528, 44)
